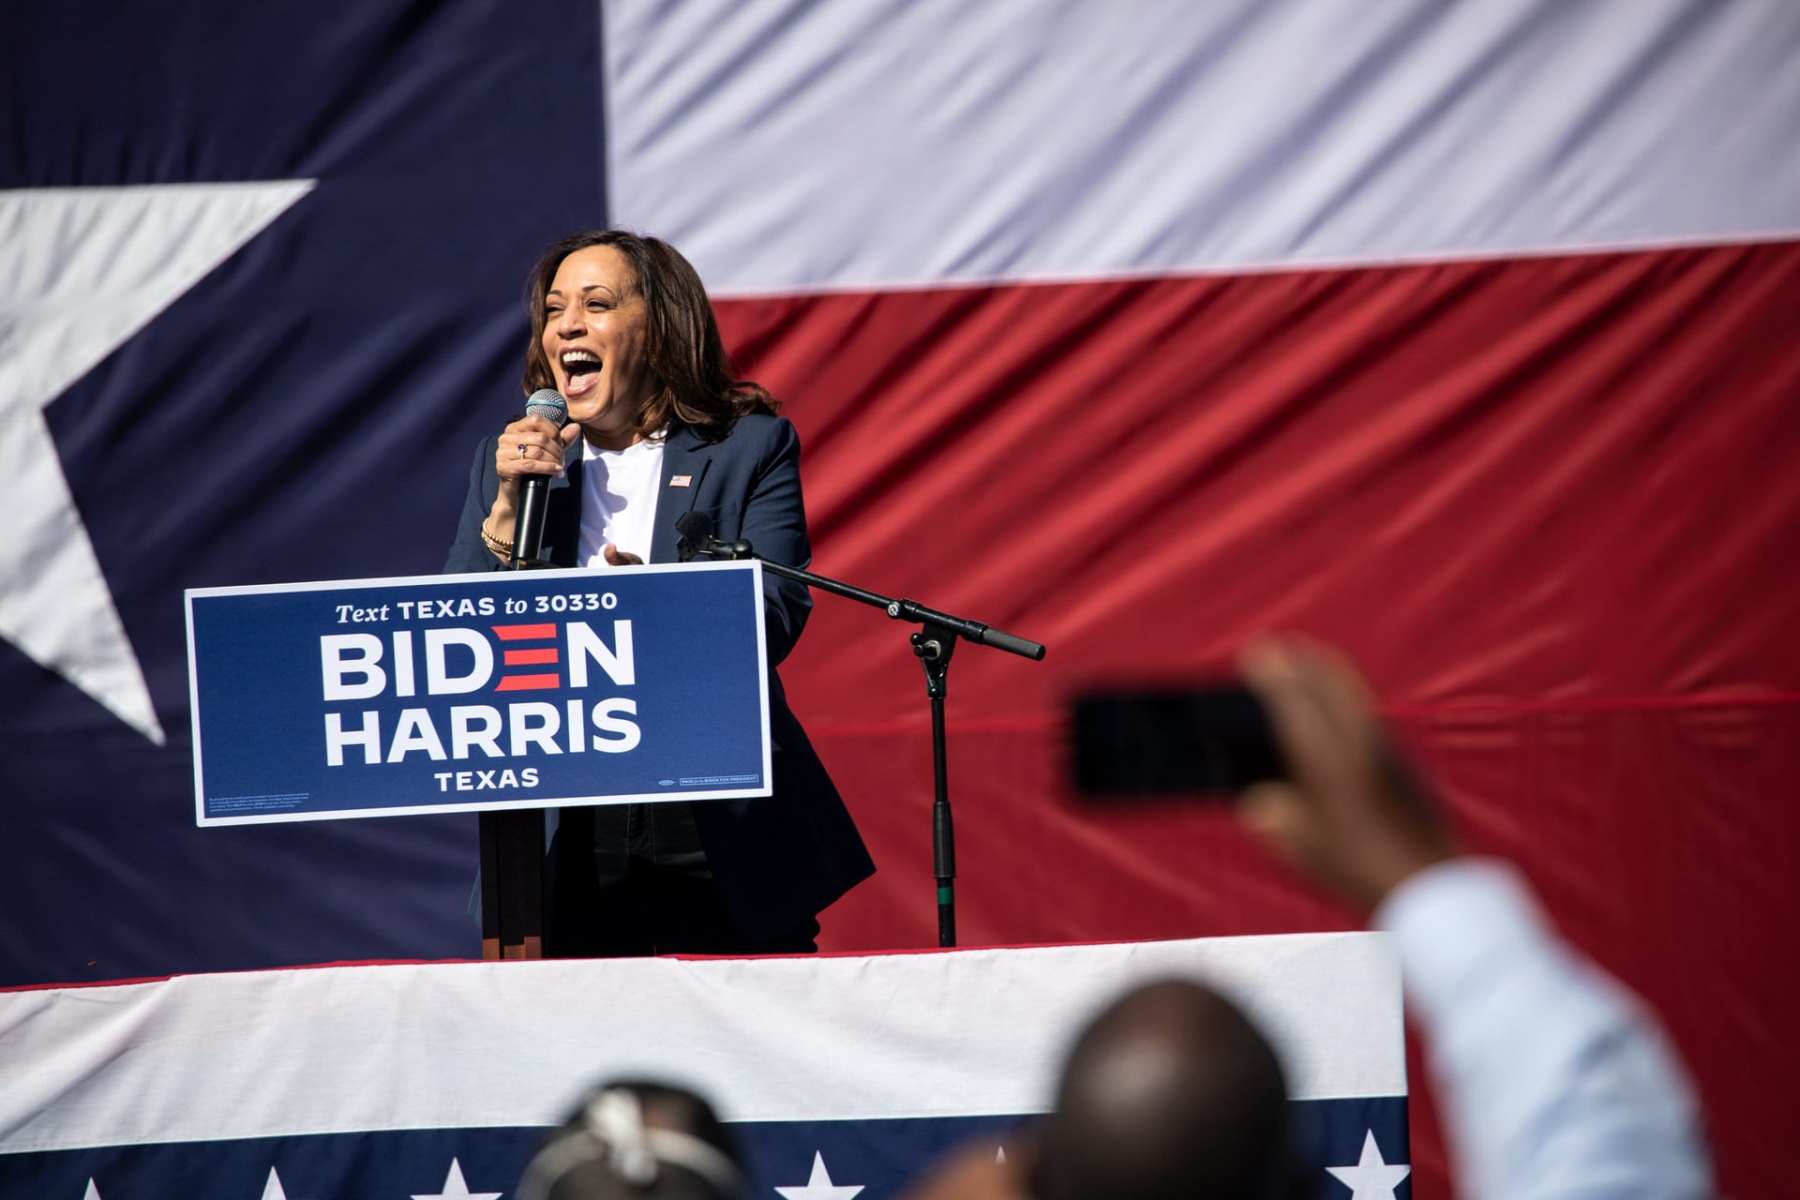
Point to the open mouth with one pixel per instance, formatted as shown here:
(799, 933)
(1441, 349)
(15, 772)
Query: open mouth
(581, 370)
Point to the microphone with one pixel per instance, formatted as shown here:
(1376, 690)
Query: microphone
(697, 540)
(534, 495)
(695, 529)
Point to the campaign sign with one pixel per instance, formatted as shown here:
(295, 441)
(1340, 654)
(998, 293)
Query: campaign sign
(318, 701)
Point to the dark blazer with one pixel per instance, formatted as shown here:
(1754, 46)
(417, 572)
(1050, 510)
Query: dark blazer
(785, 857)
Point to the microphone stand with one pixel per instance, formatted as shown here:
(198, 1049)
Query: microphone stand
(933, 643)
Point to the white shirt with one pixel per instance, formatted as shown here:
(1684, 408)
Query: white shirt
(1555, 1081)
(618, 499)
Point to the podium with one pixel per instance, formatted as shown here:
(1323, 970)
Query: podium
(502, 693)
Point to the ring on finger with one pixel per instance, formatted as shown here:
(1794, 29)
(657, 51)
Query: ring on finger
(521, 449)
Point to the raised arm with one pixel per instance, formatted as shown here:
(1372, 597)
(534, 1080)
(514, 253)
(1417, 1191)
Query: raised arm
(1556, 1081)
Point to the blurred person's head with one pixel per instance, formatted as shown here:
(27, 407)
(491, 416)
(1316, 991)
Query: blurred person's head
(1169, 1092)
(638, 1140)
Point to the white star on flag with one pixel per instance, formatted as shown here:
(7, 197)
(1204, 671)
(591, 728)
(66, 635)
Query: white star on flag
(1370, 1178)
(272, 1190)
(67, 255)
(456, 1189)
(93, 1193)
(819, 1185)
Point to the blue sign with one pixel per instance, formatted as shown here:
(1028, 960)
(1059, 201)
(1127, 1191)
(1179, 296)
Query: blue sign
(316, 701)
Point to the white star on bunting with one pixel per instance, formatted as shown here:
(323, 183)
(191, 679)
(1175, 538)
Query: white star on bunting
(81, 271)
(93, 1193)
(272, 1190)
(1371, 1178)
(456, 1189)
(819, 1185)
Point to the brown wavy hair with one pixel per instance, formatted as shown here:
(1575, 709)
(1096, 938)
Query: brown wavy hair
(695, 385)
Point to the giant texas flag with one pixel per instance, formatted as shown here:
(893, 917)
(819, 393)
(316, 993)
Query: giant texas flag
(1461, 335)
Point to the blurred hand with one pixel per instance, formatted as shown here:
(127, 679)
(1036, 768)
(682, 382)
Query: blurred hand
(1352, 817)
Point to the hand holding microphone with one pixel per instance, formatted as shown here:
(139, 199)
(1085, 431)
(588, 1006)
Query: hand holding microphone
(529, 454)
(533, 445)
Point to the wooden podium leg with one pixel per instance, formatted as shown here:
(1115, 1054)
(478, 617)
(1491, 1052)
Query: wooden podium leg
(512, 884)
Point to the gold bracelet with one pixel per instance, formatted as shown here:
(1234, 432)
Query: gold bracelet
(503, 549)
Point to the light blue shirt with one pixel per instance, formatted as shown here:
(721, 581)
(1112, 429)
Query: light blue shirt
(1554, 1080)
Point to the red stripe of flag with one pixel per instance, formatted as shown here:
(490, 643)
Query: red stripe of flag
(526, 683)
(521, 658)
(516, 633)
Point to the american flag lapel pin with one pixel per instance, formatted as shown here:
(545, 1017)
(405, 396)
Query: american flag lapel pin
(681, 480)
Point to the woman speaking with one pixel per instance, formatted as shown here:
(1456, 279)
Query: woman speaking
(621, 326)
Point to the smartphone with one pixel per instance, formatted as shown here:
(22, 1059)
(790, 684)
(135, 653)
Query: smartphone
(1212, 741)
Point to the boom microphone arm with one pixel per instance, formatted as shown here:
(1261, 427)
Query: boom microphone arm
(932, 643)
